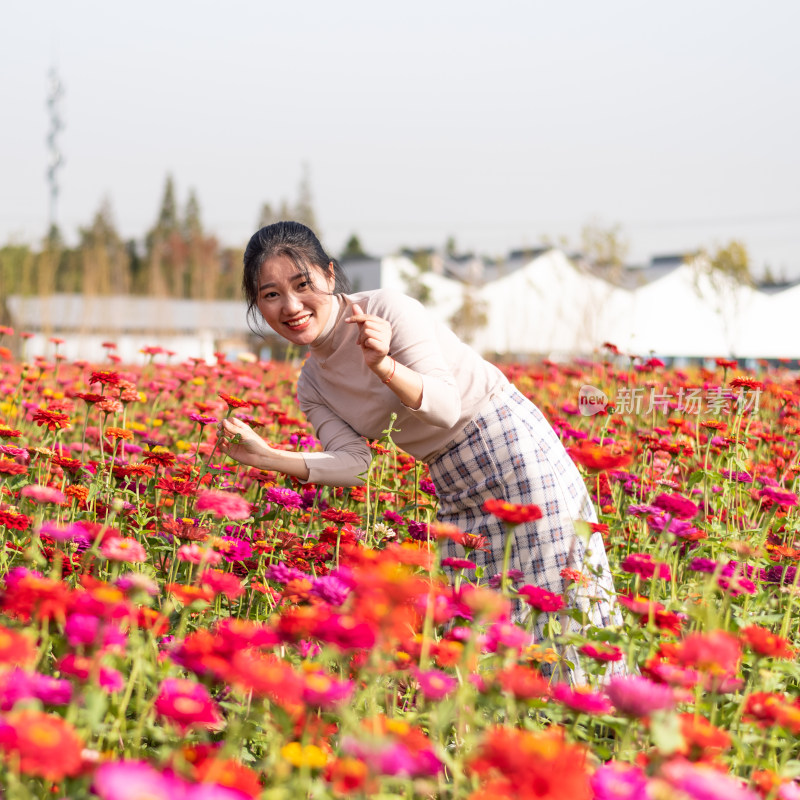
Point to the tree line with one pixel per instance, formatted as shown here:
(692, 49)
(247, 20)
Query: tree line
(176, 258)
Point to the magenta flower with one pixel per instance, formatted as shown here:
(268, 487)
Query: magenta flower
(285, 498)
(676, 505)
(773, 495)
(434, 684)
(643, 564)
(582, 699)
(223, 504)
(615, 781)
(129, 780)
(541, 599)
(331, 589)
(326, 692)
(458, 563)
(635, 696)
(17, 685)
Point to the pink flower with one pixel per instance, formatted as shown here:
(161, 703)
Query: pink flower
(43, 494)
(637, 697)
(123, 549)
(195, 554)
(133, 780)
(580, 698)
(223, 504)
(704, 782)
(187, 704)
(324, 691)
(435, 684)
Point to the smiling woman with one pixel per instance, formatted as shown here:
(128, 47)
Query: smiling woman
(377, 353)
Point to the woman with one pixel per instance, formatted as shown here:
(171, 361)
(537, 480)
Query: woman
(378, 352)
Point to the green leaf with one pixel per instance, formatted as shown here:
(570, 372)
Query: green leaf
(666, 732)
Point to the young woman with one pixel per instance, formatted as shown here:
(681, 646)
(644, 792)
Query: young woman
(378, 352)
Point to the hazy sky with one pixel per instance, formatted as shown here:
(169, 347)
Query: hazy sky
(495, 122)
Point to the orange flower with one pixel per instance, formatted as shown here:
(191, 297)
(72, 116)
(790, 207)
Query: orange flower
(513, 513)
(765, 643)
(119, 433)
(15, 648)
(42, 744)
(597, 458)
(701, 738)
(525, 765)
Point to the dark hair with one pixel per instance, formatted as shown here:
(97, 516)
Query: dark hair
(295, 241)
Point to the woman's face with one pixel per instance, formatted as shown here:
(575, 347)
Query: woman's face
(291, 305)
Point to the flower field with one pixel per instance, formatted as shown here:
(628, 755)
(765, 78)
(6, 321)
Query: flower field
(174, 625)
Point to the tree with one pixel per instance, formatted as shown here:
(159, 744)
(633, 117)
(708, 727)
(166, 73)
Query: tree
(266, 216)
(720, 277)
(604, 247)
(103, 256)
(353, 248)
(304, 210)
(191, 216)
(470, 317)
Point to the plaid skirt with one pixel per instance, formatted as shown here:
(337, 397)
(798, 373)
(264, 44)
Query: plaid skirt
(510, 451)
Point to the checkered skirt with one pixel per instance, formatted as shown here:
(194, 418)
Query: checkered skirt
(510, 451)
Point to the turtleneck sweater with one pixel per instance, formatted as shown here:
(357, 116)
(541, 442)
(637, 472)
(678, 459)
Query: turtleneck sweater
(345, 401)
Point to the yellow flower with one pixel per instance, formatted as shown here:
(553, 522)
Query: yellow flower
(304, 756)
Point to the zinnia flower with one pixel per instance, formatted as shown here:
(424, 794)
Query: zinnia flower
(582, 699)
(541, 599)
(43, 745)
(223, 504)
(187, 704)
(434, 684)
(616, 781)
(286, 498)
(123, 549)
(635, 696)
(512, 513)
(43, 494)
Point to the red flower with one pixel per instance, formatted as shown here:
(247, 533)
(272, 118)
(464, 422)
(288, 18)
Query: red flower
(233, 401)
(54, 420)
(513, 513)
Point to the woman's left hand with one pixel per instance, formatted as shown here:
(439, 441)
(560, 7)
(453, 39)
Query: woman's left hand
(374, 336)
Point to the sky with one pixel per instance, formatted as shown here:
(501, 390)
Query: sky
(500, 124)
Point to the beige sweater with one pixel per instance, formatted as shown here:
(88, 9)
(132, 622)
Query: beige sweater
(345, 401)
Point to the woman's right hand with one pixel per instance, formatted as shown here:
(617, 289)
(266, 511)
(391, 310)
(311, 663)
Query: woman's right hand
(239, 441)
